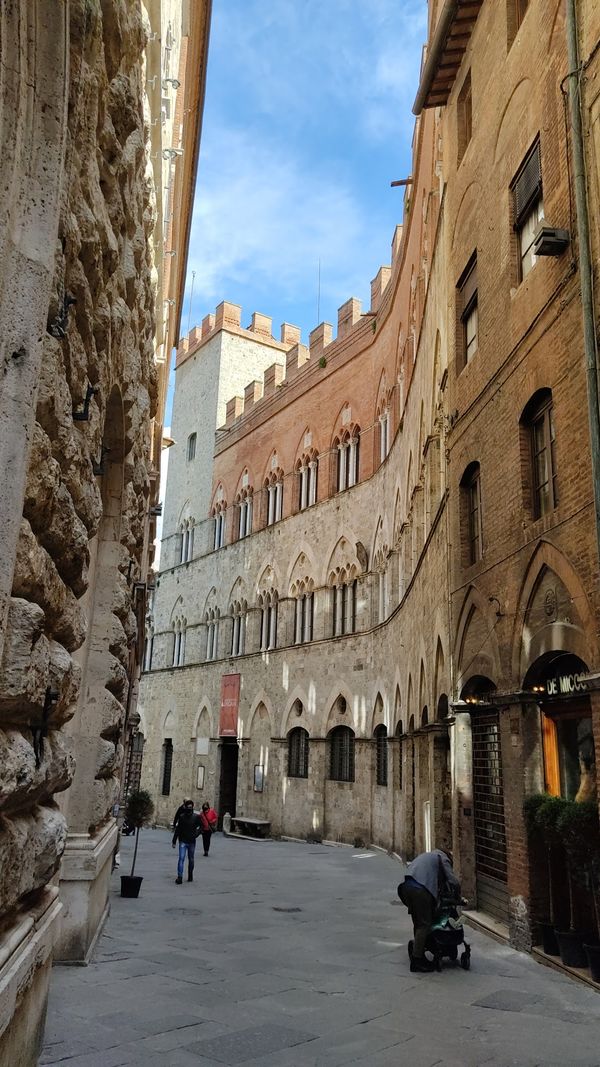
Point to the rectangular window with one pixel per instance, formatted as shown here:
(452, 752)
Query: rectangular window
(543, 439)
(167, 764)
(528, 207)
(464, 117)
(468, 312)
(474, 506)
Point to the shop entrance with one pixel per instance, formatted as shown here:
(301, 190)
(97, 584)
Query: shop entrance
(488, 812)
(228, 779)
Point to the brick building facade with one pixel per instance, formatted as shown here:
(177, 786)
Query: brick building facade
(394, 573)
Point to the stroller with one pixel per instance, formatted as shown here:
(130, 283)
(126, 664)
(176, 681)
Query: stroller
(447, 935)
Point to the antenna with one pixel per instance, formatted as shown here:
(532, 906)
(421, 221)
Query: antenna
(319, 294)
(190, 305)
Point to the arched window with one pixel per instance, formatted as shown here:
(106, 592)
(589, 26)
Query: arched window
(298, 753)
(268, 603)
(219, 525)
(244, 513)
(191, 447)
(186, 541)
(273, 488)
(179, 632)
(348, 447)
(305, 609)
(344, 593)
(537, 424)
(381, 751)
(239, 612)
(307, 471)
(384, 429)
(341, 754)
(212, 633)
(471, 523)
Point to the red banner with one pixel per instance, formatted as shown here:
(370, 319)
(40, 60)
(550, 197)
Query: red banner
(230, 702)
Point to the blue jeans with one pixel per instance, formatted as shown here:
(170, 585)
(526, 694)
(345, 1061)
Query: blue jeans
(190, 849)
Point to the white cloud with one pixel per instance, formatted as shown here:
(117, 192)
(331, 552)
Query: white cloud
(263, 214)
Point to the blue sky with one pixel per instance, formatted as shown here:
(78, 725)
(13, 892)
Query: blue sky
(307, 120)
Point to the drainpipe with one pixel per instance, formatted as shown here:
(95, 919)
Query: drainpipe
(585, 259)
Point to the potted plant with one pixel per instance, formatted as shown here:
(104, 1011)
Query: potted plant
(139, 809)
(580, 830)
(573, 825)
(541, 813)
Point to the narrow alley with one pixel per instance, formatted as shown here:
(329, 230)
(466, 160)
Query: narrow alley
(294, 955)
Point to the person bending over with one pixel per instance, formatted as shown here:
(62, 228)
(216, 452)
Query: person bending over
(428, 877)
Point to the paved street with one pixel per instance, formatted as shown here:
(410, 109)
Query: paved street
(294, 955)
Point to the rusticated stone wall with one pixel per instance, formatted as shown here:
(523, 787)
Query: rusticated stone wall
(74, 541)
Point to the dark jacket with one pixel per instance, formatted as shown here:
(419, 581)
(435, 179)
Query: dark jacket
(433, 871)
(188, 828)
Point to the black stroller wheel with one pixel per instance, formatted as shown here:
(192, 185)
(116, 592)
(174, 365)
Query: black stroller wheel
(465, 961)
(453, 953)
(410, 946)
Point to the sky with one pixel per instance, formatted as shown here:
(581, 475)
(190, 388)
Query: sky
(307, 121)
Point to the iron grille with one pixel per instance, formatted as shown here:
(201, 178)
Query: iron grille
(382, 755)
(341, 754)
(298, 753)
(488, 798)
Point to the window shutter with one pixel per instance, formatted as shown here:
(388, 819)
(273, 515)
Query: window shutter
(527, 187)
(468, 286)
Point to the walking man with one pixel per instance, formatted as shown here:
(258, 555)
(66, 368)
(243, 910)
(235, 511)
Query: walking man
(428, 877)
(186, 832)
(208, 821)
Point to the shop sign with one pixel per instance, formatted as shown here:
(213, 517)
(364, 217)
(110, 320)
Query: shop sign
(230, 702)
(565, 684)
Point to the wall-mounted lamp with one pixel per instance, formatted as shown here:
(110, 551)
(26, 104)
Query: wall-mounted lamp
(172, 153)
(152, 81)
(83, 414)
(40, 732)
(172, 82)
(156, 509)
(171, 303)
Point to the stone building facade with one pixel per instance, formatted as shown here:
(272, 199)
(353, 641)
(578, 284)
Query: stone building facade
(89, 310)
(377, 619)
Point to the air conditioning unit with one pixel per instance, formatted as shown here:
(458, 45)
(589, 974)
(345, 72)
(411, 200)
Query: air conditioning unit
(549, 241)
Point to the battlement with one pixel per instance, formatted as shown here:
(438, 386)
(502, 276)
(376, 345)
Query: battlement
(228, 317)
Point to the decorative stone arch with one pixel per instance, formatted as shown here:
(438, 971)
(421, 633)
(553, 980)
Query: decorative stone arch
(410, 708)
(169, 724)
(210, 602)
(380, 715)
(423, 708)
(476, 648)
(337, 714)
(344, 556)
(398, 725)
(261, 711)
(177, 609)
(303, 568)
(268, 579)
(245, 483)
(219, 499)
(439, 678)
(290, 717)
(238, 590)
(540, 592)
(204, 714)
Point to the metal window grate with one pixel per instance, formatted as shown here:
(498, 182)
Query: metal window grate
(298, 753)
(488, 798)
(341, 754)
(382, 755)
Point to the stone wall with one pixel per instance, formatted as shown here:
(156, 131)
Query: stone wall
(77, 324)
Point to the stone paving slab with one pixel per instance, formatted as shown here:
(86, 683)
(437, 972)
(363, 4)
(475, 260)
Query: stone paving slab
(225, 971)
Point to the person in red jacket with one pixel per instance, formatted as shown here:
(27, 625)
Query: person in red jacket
(208, 823)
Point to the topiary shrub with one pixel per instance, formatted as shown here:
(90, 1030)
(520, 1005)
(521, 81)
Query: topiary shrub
(139, 809)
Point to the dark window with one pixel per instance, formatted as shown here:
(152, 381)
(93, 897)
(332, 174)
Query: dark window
(539, 421)
(464, 116)
(471, 513)
(528, 207)
(298, 753)
(468, 313)
(167, 764)
(191, 447)
(382, 755)
(341, 754)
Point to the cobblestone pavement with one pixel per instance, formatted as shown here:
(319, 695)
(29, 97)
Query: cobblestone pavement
(294, 955)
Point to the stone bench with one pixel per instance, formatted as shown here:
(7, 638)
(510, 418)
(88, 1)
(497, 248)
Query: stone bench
(250, 827)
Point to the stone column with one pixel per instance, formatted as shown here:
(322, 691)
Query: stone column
(463, 834)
